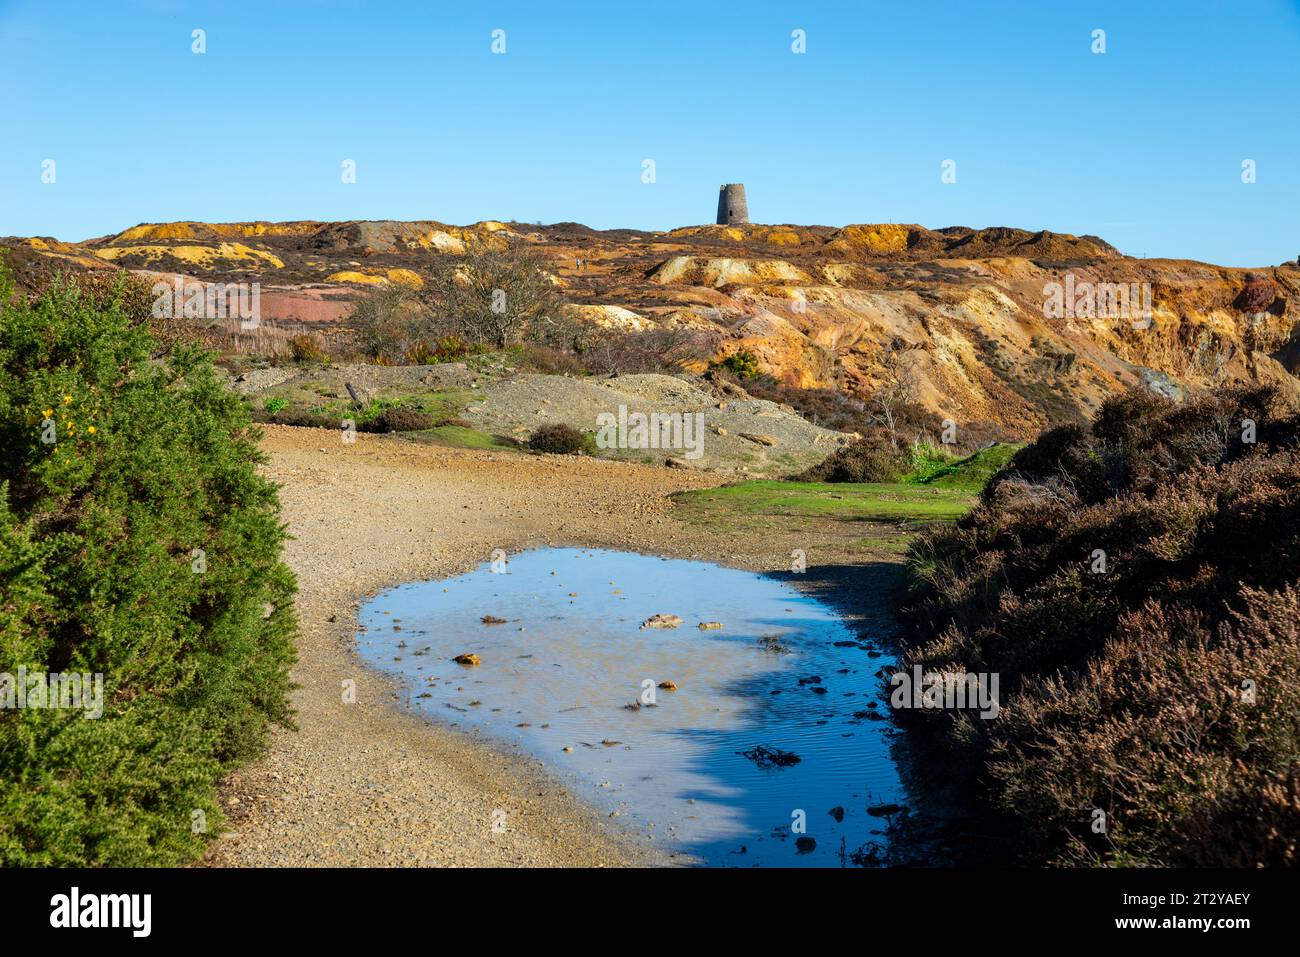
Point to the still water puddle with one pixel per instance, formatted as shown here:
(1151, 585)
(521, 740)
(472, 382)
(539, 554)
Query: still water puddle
(706, 770)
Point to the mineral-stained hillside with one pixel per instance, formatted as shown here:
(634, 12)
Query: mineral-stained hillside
(975, 311)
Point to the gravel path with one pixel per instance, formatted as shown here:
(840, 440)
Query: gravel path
(369, 783)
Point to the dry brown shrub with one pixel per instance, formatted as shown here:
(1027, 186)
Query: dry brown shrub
(1121, 689)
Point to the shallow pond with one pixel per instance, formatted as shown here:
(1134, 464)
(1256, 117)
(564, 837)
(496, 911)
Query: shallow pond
(703, 770)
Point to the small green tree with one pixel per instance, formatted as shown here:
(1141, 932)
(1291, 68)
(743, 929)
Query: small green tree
(742, 364)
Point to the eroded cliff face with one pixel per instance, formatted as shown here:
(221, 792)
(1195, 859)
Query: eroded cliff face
(1002, 326)
(992, 339)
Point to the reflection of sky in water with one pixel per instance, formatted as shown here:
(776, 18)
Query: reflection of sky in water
(558, 673)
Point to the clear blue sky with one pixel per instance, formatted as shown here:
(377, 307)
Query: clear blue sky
(1141, 145)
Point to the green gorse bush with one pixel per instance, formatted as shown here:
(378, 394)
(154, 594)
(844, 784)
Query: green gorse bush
(142, 545)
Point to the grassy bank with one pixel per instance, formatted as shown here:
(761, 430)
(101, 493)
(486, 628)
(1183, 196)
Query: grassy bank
(940, 488)
(893, 502)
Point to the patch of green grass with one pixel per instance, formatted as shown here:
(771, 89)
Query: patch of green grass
(935, 467)
(890, 502)
(459, 437)
(897, 545)
(973, 472)
(315, 398)
(443, 403)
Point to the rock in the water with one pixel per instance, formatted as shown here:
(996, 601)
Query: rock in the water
(805, 844)
(768, 757)
(467, 659)
(837, 813)
(661, 621)
(668, 685)
(492, 620)
(709, 625)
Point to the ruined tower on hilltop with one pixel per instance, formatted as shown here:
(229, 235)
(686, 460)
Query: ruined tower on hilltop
(731, 205)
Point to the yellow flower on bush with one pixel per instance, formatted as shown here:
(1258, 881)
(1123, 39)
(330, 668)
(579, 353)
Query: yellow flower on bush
(90, 429)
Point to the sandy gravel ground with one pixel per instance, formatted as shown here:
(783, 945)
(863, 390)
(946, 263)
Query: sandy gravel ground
(368, 783)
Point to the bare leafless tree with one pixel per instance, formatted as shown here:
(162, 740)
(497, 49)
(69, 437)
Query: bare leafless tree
(898, 386)
(384, 319)
(493, 294)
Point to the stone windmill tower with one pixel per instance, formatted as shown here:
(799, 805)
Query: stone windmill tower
(731, 205)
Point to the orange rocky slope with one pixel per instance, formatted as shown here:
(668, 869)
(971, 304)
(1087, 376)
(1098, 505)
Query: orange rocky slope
(819, 306)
